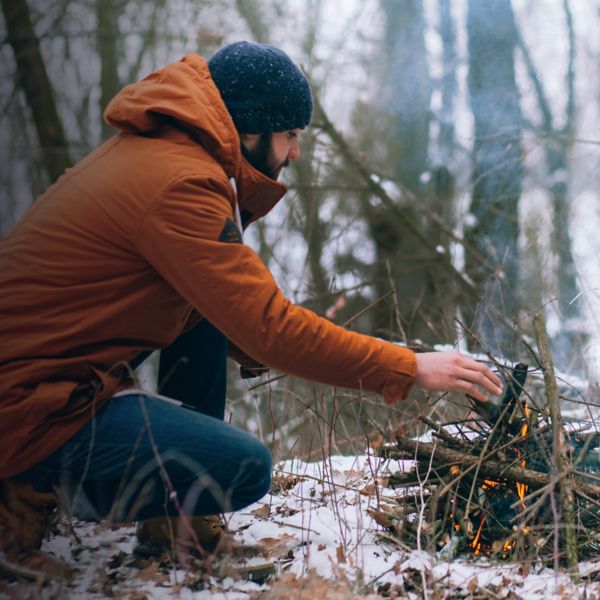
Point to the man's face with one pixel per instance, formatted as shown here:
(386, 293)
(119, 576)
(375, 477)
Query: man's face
(271, 152)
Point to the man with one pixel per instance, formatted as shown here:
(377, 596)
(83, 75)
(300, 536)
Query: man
(139, 247)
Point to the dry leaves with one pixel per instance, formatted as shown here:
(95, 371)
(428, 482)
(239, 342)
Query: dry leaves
(262, 512)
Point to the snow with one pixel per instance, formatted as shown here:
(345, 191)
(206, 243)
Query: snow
(315, 527)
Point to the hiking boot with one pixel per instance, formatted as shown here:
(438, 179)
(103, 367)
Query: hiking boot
(27, 516)
(161, 534)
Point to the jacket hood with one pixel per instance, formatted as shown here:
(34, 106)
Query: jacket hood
(184, 91)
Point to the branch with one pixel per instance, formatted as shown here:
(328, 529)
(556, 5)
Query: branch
(537, 82)
(16, 570)
(569, 124)
(559, 453)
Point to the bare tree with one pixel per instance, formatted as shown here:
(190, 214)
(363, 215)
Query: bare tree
(557, 142)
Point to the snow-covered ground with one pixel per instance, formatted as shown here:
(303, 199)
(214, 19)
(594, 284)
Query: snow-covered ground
(315, 527)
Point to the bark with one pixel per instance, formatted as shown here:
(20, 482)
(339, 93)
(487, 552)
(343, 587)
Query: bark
(497, 166)
(39, 93)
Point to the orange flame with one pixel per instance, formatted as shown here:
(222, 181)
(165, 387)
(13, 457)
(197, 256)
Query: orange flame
(521, 487)
(476, 544)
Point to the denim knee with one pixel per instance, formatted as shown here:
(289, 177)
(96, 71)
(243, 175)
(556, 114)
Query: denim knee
(256, 480)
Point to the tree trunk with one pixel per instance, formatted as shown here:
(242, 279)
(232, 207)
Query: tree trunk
(497, 166)
(39, 93)
(250, 12)
(107, 45)
(449, 84)
(401, 262)
(407, 91)
(314, 230)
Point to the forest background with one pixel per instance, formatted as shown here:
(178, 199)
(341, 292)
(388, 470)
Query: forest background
(448, 185)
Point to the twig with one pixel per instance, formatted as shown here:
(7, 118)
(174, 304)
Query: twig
(16, 570)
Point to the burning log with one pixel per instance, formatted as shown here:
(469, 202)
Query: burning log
(498, 471)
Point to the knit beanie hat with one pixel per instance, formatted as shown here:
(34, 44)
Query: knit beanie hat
(264, 91)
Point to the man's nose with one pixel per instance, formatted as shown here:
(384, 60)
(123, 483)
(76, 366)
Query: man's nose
(294, 152)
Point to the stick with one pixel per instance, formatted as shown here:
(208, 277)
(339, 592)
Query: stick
(443, 435)
(559, 455)
(16, 570)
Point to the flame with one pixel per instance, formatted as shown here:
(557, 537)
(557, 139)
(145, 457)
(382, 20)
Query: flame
(476, 544)
(488, 483)
(521, 487)
(507, 545)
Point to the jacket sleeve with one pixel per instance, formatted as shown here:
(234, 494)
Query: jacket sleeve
(228, 283)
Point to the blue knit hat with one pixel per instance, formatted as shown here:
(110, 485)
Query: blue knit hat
(264, 91)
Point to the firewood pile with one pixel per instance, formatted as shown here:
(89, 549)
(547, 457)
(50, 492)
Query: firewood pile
(515, 483)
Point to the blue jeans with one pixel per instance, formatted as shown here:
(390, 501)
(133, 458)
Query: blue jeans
(144, 457)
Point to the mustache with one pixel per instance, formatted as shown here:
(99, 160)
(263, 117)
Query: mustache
(283, 165)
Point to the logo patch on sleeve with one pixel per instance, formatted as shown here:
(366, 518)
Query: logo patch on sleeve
(230, 234)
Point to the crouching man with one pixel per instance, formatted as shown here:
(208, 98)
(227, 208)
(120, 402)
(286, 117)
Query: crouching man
(140, 247)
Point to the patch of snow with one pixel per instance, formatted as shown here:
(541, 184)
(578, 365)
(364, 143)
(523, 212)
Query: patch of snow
(316, 524)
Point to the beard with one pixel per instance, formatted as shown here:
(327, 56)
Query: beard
(260, 157)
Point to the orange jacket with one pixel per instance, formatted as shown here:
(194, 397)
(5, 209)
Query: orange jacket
(133, 243)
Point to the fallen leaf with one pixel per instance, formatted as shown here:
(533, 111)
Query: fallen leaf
(148, 573)
(369, 490)
(382, 518)
(286, 511)
(352, 474)
(473, 585)
(262, 512)
(278, 545)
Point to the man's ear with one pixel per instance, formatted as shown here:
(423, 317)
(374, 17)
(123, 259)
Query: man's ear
(250, 140)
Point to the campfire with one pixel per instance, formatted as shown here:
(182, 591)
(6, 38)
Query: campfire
(515, 483)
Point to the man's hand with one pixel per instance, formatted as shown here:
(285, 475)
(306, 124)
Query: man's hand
(455, 372)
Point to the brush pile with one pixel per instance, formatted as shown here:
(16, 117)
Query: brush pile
(520, 485)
